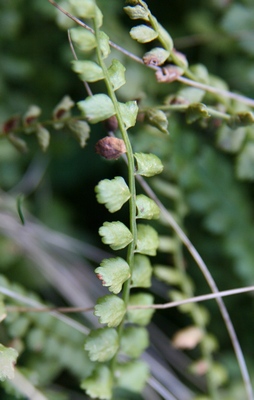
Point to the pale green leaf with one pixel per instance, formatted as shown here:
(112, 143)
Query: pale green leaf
(102, 344)
(137, 12)
(113, 272)
(191, 94)
(97, 108)
(110, 310)
(148, 164)
(115, 234)
(134, 341)
(167, 244)
(230, 140)
(143, 34)
(147, 240)
(158, 119)
(81, 130)
(8, 357)
(117, 74)
(146, 207)
(140, 316)
(99, 384)
(245, 162)
(113, 193)
(104, 44)
(133, 375)
(85, 40)
(129, 112)
(88, 71)
(43, 137)
(169, 275)
(84, 8)
(142, 272)
(156, 56)
(98, 17)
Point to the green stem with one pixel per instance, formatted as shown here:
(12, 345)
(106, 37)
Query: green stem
(131, 182)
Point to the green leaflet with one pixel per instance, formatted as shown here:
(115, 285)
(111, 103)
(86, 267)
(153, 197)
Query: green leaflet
(129, 112)
(102, 344)
(148, 164)
(104, 44)
(115, 234)
(99, 384)
(113, 272)
(81, 131)
(231, 140)
(137, 12)
(97, 108)
(110, 310)
(147, 240)
(134, 372)
(158, 119)
(134, 341)
(113, 193)
(88, 71)
(143, 34)
(117, 74)
(140, 316)
(85, 40)
(169, 275)
(142, 271)
(84, 8)
(146, 207)
(8, 357)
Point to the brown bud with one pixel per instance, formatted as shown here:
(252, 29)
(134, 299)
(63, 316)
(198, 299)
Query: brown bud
(111, 124)
(11, 124)
(110, 148)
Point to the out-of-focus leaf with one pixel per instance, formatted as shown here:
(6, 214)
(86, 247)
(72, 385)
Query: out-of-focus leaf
(140, 316)
(102, 344)
(158, 119)
(136, 372)
(147, 240)
(143, 34)
(245, 162)
(81, 130)
(99, 384)
(8, 357)
(137, 12)
(134, 341)
(142, 272)
(196, 111)
(88, 71)
(43, 137)
(84, 39)
(110, 310)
